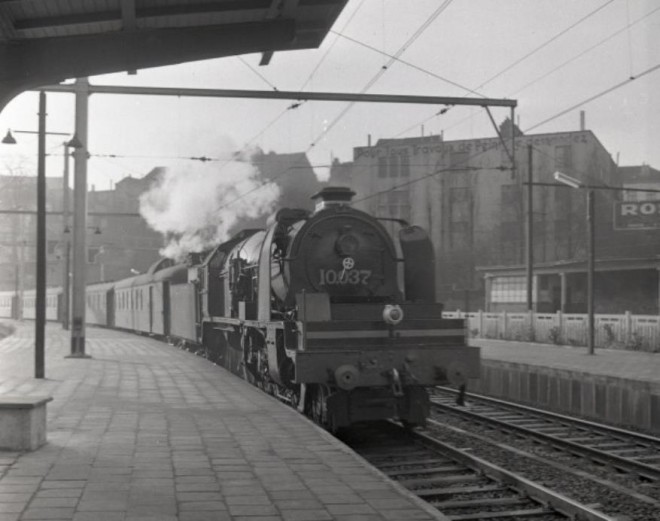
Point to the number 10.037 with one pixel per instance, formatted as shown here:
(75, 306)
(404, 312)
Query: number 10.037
(355, 277)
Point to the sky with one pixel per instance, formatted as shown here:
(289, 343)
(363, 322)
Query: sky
(555, 57)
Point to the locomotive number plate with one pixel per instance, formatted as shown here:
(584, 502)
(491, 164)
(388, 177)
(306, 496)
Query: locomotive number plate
(335, 277)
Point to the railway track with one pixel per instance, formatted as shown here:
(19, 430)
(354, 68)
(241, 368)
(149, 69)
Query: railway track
(460, 485)
(626, 452)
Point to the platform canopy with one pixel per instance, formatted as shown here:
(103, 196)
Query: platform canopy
(47, 41)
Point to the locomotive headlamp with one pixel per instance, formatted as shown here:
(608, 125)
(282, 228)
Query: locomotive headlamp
(392, 314)
(347, 245)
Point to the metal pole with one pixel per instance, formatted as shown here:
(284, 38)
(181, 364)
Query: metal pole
(530, 232)
(79, 223)
(590, 269)
(40, 311)
(66, 232)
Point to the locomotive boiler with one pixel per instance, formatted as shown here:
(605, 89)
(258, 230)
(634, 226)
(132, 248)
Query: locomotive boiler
(324, 310)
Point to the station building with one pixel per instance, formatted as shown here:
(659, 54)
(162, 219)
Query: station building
(474, 205)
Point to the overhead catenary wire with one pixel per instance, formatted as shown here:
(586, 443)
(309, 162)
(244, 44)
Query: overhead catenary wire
(588, 50)
(517, 62)
(384, 69)
(409, 42)
(545, 43)
(256, 72)
(596, 96)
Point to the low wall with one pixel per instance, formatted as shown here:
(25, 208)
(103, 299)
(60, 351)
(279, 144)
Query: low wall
(627, 331)
(623, 402)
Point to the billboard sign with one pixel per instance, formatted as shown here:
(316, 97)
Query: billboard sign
(637, 215)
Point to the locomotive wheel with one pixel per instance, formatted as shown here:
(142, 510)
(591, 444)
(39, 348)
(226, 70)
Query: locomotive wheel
(319, 407)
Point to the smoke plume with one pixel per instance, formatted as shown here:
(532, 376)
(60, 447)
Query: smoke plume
(194, 208)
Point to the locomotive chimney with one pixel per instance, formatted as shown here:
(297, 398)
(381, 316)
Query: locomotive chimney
(332, 196)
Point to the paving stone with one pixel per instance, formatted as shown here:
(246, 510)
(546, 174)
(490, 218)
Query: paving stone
(59, 492)
(216, 506)
(306, 515)
(99, 516)
(252, 510)
(339, 509)
(298, 504)
(199, 496)
(12, 507)
(54, 502)
(48, 513)
(145, 432)
(14, 497)
(205, 516)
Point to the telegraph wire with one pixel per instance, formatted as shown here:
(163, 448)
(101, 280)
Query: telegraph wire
(409, 64)
(595, 96)
(331, 46)
(257, 73)
(546, 43)
(512, 65)
(605, 40)
(384, 68)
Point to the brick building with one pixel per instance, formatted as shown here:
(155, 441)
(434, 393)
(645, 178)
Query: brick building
(119, 241)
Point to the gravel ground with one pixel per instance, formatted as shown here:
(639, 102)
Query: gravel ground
(555, 474)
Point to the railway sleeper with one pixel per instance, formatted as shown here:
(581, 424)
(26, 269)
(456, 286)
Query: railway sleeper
(450, 492)
(415, 483)
(480, 516)
(481, 502)
(379, 455)
(408, 463)
(421, 472)
(652, 457)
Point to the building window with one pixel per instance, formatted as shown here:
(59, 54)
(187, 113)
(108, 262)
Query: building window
(92, 253)
(563, 157)
(382, 167)
(460, 217)
(51, 247)
(459, 159)
(562, 238)
(394, 165)
(395, 204)
(510, 289)
(405, 165)
(510, 200)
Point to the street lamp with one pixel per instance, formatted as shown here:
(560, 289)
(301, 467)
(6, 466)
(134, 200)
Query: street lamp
(73, 143)
(577, 184)
(40, 305)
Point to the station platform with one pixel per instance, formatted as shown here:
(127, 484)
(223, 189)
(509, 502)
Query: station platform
(615, 386)
(143, 431)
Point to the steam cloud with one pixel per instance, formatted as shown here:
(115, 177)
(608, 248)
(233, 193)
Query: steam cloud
(195, 207)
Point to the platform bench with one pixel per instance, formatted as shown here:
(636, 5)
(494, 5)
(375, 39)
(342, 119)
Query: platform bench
(23, 422)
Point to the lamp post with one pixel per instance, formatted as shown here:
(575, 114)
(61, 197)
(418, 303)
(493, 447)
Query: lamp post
(40, 305)
(591, 234)
(73, 143)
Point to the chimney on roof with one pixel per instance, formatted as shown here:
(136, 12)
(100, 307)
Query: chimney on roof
(583, 123)
(368, 140)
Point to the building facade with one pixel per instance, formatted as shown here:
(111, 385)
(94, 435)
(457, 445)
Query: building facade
(472, 201)
(118, 239)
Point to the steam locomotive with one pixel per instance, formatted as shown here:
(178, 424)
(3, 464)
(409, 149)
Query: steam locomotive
(321, 309)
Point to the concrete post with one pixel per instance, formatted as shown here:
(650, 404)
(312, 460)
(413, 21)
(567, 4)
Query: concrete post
(66, 243)
(80, 223)
(563, 289)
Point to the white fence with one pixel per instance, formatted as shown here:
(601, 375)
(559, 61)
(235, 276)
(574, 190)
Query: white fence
(634, 332)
